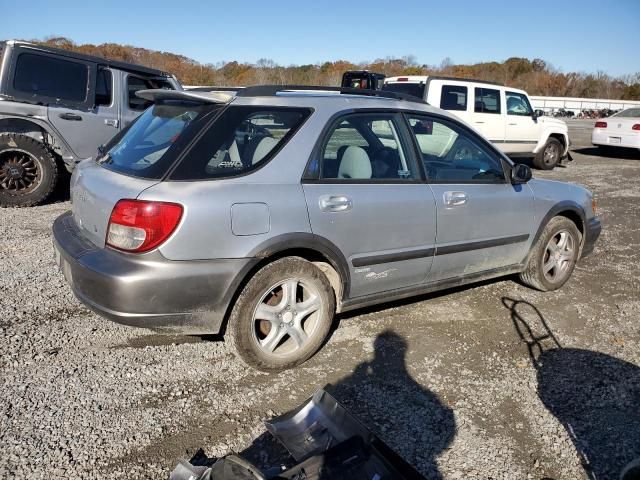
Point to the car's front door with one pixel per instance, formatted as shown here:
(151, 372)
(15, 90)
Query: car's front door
(484, 222)
(523, 130)
(365, 194)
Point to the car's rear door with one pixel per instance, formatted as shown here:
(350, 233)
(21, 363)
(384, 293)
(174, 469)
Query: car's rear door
(84, 129)
(365, 194)
(484, 222)
(487, 114)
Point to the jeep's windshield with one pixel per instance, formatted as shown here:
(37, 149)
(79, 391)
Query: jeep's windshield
(144, 149)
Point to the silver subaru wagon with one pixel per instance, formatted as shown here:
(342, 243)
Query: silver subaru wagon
(263, 213)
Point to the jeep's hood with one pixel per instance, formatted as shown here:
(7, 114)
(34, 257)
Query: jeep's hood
(553, 122)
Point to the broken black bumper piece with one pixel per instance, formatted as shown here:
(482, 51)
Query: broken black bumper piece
(325, 440)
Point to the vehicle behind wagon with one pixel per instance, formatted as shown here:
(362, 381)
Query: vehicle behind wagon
(56, 108)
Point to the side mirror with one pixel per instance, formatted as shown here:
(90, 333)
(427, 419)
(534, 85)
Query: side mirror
(520, 173)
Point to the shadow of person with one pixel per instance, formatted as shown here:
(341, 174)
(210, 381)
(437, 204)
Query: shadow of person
(595, 396)
(412, 420)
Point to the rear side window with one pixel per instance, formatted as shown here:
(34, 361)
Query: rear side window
(487, 100)
(45, 76)
(415, 89)
(365, 148)
(241, 139)
(453, 97)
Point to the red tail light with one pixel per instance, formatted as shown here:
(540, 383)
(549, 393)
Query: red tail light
(402, 79)
(636, 127)
(601, 124)
(139, 226)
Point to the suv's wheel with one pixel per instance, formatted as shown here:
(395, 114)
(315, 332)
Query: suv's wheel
(282, 316)
(28, 171)
(554, 255)
(549, 156)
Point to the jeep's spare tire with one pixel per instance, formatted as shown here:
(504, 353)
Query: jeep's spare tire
(28, 171)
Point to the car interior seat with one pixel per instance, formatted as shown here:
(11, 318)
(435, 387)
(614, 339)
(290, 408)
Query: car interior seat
(263, 148)
(355, 164)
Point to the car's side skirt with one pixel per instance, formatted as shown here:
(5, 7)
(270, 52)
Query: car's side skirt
(415, 290)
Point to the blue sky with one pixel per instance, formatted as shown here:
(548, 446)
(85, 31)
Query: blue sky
(572, 35)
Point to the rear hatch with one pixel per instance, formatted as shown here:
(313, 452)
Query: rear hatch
(136, 159)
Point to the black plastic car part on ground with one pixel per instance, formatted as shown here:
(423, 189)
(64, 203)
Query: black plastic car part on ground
(325, 440)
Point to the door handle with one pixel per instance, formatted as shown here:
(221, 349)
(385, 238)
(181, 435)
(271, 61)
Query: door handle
(478, 122)
(70, 116)
(335, 203)
(512, 124)
(455, 199)
(111, 122)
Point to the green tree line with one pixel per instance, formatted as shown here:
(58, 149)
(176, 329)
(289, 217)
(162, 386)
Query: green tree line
(535, 76)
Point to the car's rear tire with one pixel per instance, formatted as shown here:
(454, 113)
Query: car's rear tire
(554, 255)
(282, 316)
(549, 156)
(28, 171)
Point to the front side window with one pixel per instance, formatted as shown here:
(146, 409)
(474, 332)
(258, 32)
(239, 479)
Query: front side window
(453, 97)
(135, 84)
(241, 139)
(518, 104)
(41, 75)
(366, 147)
(487, 100)
(104, 82)
(452, 154)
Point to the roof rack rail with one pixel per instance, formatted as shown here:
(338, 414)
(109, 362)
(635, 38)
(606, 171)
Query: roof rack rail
(272, 90)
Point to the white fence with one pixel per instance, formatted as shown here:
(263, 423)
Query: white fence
(576, 105)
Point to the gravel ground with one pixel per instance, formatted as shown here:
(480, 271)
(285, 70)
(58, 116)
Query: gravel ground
(489, 381)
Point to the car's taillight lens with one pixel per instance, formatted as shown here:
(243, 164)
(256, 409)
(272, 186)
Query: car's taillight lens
(139, 226)
(601, 124)
(636, 127)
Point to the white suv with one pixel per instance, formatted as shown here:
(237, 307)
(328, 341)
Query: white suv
(502, 114)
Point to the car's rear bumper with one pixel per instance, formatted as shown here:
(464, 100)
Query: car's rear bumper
(615, 139)
(591, 234)
(147, 290)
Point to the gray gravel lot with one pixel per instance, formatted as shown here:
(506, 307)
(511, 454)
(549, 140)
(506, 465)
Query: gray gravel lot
(489, 381)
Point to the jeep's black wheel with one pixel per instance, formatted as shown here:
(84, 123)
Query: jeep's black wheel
(554, 255)
(282, 316)
(549, 156)
(28, 171)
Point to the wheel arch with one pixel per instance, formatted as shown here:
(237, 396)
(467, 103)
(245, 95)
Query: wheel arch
(40, 131)
(568, 209)
(318, 250)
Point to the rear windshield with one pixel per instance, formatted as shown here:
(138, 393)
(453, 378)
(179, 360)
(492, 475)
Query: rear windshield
(415, 89)
(629, 112)
(240, 140)
(148, 147)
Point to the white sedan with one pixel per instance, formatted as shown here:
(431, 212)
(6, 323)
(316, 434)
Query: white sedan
(619, 130)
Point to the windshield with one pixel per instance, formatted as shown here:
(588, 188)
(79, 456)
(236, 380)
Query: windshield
(143, 150)
(629, 112)
(415, 89)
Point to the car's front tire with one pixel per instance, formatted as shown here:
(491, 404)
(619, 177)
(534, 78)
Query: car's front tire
(282, 316)
(549, 156)
(554, 255)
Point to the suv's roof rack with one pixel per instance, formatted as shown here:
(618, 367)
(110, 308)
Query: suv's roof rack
(443, 77)
(272, 90)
